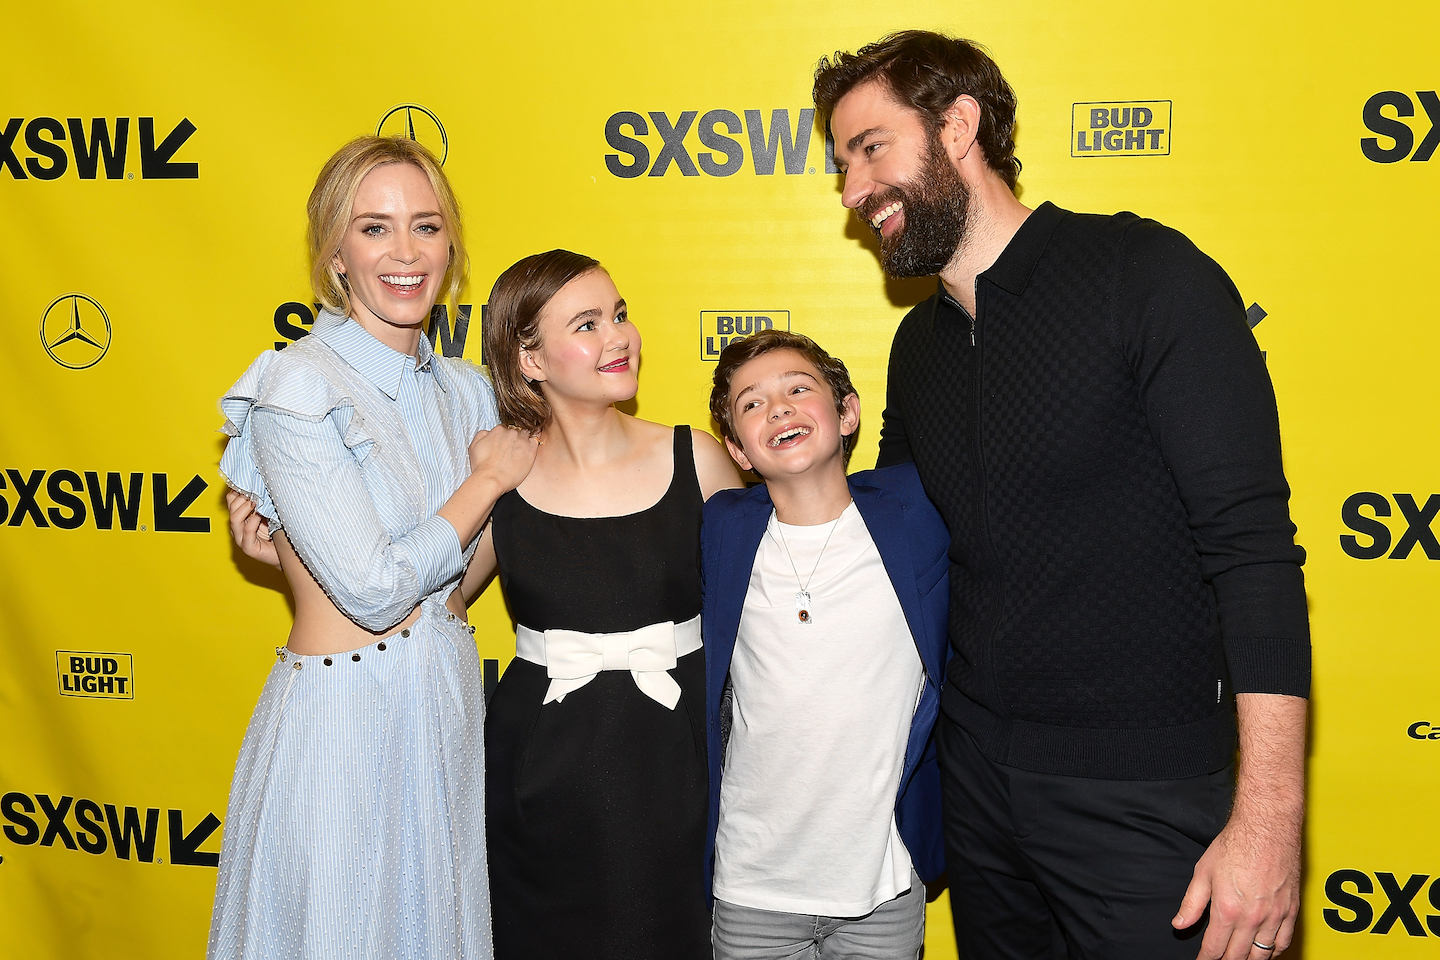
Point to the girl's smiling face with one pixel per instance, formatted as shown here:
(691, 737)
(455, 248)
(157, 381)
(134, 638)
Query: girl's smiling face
(589, 350)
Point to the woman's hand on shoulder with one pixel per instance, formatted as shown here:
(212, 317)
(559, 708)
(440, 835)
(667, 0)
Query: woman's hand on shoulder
(713, 465)
(504, 456)
(249, 530)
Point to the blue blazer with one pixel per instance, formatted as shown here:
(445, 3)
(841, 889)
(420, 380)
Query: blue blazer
(912, 541)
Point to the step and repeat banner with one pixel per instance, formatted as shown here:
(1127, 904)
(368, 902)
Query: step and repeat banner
(154, 164)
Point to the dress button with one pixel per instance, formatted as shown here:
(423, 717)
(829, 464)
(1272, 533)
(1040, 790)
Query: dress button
(380, 645)
(405, 632)
(298, 664)
(355, 657)
(329, 662)
(451, 617)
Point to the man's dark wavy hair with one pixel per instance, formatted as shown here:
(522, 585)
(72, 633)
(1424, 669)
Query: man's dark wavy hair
(928, 71)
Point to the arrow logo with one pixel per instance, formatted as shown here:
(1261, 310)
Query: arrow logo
(185, 847)
(168, 513)
(155, 162)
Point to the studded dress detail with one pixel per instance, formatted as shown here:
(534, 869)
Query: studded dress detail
(596, 803)
(355, 826)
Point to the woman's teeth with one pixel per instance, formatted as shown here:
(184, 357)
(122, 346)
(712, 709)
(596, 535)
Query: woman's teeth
(790, 434)
(885, 214)
(404, 281)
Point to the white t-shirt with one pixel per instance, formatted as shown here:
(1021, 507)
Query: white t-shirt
(822, 712)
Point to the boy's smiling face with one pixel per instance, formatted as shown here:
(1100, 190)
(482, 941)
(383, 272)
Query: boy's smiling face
(786, 417)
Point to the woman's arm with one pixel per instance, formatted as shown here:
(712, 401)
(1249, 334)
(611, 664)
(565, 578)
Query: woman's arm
(480, 570)
(713, 465)
(321, 500)
(499, 460)
(251, 533)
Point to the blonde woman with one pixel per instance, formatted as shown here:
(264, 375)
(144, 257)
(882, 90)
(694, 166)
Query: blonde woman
(355, 826)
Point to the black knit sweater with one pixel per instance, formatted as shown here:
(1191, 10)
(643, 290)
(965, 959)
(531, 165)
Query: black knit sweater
(1103, 442)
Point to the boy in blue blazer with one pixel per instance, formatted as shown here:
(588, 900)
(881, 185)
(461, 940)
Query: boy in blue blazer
(825, 645)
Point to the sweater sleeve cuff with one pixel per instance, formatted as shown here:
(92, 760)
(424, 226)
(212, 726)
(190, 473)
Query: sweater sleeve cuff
(1268, 665)
(434, 549)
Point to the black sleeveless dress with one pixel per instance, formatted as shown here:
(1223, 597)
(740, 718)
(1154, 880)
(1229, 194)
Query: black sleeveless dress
(596, 805)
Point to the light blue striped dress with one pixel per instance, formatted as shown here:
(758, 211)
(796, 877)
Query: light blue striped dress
(356, 821)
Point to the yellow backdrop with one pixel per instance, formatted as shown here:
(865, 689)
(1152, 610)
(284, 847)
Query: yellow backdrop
(154, 163)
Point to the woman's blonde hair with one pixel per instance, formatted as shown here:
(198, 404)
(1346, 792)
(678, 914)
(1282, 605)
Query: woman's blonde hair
(512, 324)
(332, 204)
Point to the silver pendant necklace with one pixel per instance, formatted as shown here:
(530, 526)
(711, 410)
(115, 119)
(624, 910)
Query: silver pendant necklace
(802, 596)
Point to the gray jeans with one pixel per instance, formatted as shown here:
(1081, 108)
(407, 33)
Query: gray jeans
(895, 930)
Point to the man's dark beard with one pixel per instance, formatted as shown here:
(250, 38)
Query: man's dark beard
(936, 211)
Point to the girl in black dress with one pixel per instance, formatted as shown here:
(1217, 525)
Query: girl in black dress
(595, 762)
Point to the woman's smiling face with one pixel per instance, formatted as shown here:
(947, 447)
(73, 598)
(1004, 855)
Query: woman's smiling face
(396, 247)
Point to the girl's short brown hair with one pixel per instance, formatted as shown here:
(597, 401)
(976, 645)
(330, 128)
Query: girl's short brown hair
(512, 324)
(740, 352)
(332, 204)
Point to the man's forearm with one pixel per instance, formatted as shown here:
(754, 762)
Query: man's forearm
(1270, 779)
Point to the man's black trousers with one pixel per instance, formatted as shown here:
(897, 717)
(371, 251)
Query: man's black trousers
(1045, 867)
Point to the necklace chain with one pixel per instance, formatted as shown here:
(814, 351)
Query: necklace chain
(802, 597)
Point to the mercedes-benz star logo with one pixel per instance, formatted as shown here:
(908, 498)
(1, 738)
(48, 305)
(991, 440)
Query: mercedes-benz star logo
(414, 121)
(75, 331)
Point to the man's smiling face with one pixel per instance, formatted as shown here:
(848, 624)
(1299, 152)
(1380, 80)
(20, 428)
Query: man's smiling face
(899, 180)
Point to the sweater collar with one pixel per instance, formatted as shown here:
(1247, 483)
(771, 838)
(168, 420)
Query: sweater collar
(1011, 270)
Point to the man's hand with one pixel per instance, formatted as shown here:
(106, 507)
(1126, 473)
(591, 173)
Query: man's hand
(1250, 875)
(249, 530)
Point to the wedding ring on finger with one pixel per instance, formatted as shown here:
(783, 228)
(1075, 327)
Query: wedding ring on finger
(1263, 946)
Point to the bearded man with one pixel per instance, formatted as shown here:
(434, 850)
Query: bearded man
(1090, 413)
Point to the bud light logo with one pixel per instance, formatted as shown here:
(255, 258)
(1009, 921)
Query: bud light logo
(719, 328)
(1133, 128)
(107, 676)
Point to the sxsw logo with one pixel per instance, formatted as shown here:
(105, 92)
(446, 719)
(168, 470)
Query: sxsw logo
(292, 319)
(782, 143)
(1353, 913)
(1122, 128)
(1400, 134)
(103, 504)
(719, 328)
(1375, 537)
(106, 676)
(84, 825)
(93, 148)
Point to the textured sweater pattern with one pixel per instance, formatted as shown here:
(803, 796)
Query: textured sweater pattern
(1104, 445)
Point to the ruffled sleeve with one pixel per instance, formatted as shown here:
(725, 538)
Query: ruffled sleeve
(237, 463)
(298, 441)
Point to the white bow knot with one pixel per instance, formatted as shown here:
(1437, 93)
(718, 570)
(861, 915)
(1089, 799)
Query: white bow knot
(572, 658)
